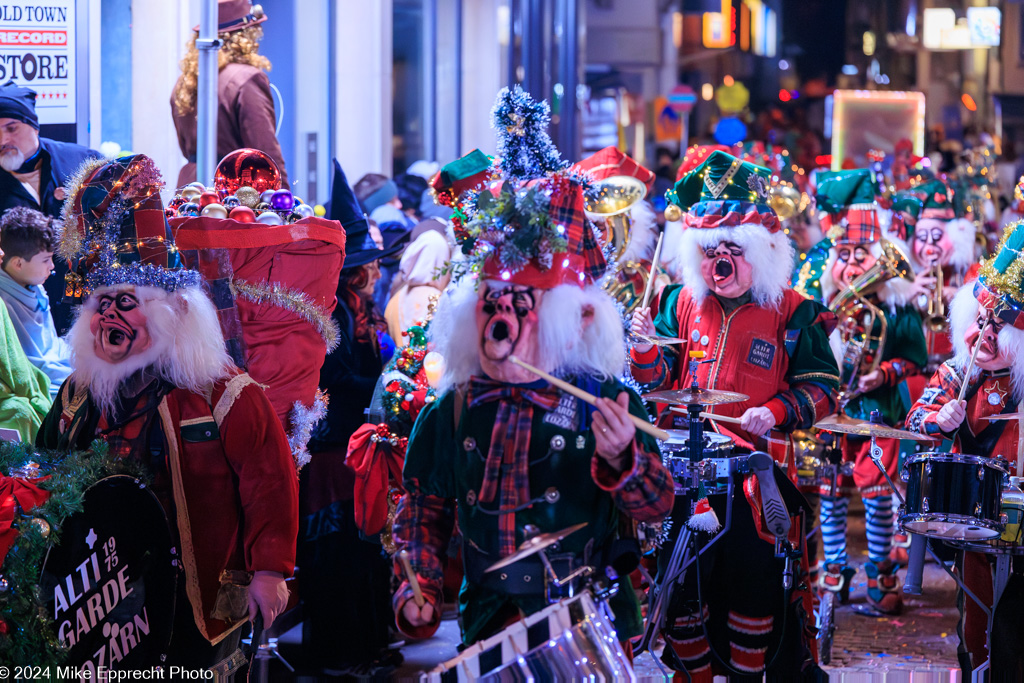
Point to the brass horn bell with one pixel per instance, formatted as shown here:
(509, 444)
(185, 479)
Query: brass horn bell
(612, 199)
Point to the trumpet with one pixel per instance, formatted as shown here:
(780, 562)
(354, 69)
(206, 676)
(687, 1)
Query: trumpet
(862, 324)
(935, 319)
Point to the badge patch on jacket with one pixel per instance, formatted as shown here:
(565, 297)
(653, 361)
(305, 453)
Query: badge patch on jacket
(564, 414)
(761, 354)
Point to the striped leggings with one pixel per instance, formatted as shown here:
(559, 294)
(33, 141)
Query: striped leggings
(880, 527)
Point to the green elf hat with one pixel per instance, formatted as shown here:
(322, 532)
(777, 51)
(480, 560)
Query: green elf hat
(906, 209)
(1000, 285)
(847, 199)
(937, 199)
(726, 200)
(725, 191)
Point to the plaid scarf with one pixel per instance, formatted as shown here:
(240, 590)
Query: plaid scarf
(508, 459)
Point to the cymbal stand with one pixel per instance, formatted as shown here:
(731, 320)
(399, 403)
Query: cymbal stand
(675, 573)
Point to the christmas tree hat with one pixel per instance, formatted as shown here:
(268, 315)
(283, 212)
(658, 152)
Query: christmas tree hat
(521, 218)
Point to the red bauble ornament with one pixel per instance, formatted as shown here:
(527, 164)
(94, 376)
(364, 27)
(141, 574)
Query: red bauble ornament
(246, 168)
(4, 628)
(242, 214)
(208, 198)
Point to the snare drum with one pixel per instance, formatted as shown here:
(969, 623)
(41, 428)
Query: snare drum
(570, 640)
(675, 453)
(951, 496)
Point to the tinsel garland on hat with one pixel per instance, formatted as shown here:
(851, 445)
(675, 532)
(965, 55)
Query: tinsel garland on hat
(28, 634)
(519, 209)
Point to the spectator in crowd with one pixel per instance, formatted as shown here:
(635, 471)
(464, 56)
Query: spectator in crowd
(379, 197)
(27, 240)
(420, 283)
(245, 109)
(33, 171)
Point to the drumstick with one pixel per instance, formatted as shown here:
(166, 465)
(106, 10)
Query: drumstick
(641, 424)
(709, 416)
(720, 418)
(414, 583)
(654, 272)
(970, 366)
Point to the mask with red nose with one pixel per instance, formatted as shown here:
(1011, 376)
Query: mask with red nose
(932, 244)
(991, 356)
(852, 260)
(506, 322)
(725, 270)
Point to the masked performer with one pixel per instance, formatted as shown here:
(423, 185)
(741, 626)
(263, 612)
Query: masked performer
(762, 340)
(152, 378)
(941, 252)
(513, 454)
(986, 313)
(881, 317)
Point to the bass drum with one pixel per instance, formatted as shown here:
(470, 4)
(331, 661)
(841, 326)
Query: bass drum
(111, 581)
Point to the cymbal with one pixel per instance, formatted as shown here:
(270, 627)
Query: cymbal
(535, 545)
(658, 340)
(846, 425)
(695, 397)
(1005, 416)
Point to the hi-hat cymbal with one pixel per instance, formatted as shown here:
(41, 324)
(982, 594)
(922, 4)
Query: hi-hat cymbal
(695, 397)
(535, 545)
(845, 425)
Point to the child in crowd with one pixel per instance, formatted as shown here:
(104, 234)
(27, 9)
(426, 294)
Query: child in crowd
(27, 238)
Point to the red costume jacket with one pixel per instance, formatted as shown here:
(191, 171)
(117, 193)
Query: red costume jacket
(778, 356)
(233, 481)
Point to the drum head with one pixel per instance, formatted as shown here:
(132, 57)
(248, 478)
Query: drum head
(111, 582)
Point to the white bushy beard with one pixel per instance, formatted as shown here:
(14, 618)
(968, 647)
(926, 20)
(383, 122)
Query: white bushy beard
(568, 343)
(12, 159)
(186, 348)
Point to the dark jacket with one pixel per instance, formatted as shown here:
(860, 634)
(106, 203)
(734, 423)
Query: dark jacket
(245, 118)
(349, 376)
(60, 161)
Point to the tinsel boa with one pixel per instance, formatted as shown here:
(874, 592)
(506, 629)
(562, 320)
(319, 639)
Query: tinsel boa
(303, 420)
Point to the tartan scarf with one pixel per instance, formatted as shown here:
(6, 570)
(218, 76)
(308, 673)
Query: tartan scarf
(508, 460)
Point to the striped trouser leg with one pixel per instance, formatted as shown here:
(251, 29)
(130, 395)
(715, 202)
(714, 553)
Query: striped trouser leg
(833, 529)
(748, 641)
(879, 519)
(686, 638)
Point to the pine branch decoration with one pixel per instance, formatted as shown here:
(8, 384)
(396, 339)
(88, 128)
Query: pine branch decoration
(524, 146)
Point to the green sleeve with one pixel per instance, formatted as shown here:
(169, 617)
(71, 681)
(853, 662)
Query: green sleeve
(812, 359)
(905, 338)
(667, 321)
(428, 459)
(24, 388)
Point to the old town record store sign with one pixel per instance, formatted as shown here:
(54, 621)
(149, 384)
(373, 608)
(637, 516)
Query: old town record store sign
(111, 581)
(37, 50)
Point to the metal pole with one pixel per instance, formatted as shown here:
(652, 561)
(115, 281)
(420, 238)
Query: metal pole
(206, 100)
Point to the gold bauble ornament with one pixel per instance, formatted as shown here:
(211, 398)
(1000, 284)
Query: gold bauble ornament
(190, 193)
(673, 213)
(42, 526)
(248, 196)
